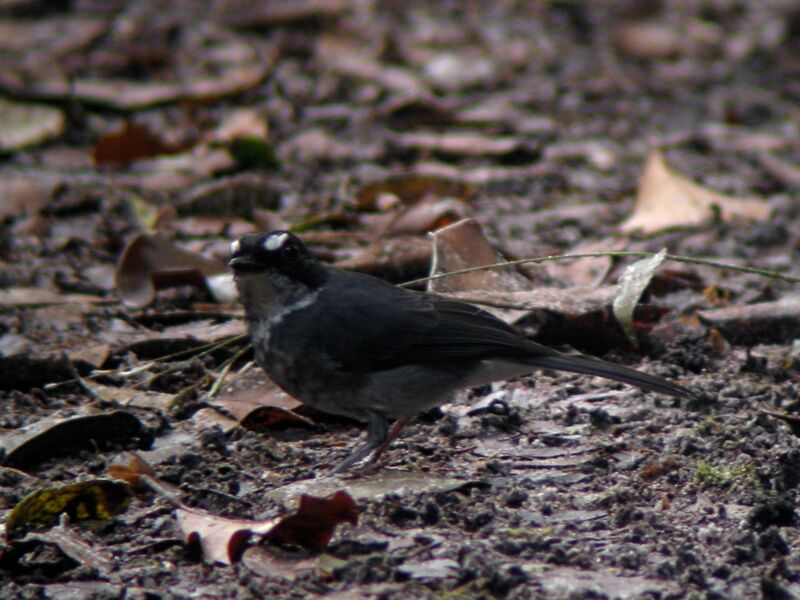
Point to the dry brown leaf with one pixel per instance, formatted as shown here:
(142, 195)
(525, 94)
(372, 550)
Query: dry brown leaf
(397, 258)
(341, 54)
(23, 195)
(207, 63)
(649, 39)
(505, 292)
(465, 143)
(151, 262)
(257, 403)
(132, 471)
(776, 322)
(410, 188)
(133, 142)
(58, 436)
(30, 296)
(667, 199)
(247, 391)
(242, 122)
(28, 124)
(570, 303)
(462, 245)
(222, 539)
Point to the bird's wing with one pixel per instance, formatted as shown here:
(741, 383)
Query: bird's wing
(368, 325)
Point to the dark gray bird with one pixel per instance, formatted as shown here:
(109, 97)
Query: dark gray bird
(352, 344)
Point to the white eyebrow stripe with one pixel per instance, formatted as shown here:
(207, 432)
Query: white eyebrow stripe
(236, 247)
(274, 242)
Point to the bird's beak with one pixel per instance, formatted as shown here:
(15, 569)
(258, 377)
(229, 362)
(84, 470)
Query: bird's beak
(244, 263)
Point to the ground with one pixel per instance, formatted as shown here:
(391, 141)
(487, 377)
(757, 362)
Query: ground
(362, 125)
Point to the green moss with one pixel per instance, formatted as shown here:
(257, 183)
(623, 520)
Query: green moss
(707, 475)
(706, 427)
(528, 533)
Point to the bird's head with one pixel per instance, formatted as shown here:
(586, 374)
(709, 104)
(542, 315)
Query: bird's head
(274, 264)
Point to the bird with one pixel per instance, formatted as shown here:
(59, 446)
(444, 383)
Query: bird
(355, 345)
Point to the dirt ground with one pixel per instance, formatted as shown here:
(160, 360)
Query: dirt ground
(536, 119)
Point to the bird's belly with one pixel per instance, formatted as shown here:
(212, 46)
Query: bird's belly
(312, 381)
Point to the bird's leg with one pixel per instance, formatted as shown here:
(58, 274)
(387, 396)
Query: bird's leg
(391, 436)
(377, 434)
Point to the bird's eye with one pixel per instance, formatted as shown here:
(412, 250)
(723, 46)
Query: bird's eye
(290, 253)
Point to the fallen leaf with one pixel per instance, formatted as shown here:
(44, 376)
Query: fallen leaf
(410, 188)
(208, 417)
(469, 144)
(93, 500)
(258, 404)
(315, 521)
(150, 262)
(59, 436)
(126, 396)
(437, 568)
(27, 124)
(132, 471)
(571, 303)
(396, 259)
(133, 142)
(372, 487)
(265, 563)
(340, 53)
(666, 199)
(222, 539)
(209, 62)
(240, 123)
(247, 391)
(24, 196)
(649, 39)
(68, 541)
(632, 285)
(761, 323)
(462, 245)
(454, 71)
(31, 296)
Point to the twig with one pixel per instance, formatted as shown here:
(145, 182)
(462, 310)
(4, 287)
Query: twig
(623, 253)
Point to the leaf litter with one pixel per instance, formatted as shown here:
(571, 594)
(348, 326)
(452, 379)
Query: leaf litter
(549, 143)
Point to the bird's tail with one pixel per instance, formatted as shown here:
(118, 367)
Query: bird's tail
(587, 365)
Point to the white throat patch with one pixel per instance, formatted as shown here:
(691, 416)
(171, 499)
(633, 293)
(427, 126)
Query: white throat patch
(274, 242)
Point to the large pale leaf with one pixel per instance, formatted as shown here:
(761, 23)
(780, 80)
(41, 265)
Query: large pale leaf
(666, 199)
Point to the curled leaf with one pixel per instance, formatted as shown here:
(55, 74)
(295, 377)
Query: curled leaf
(223, 539)
(61, 436)
(632, 284)
(151, 262)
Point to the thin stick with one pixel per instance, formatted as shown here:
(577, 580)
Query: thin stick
(672, 257)
(226, 367)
